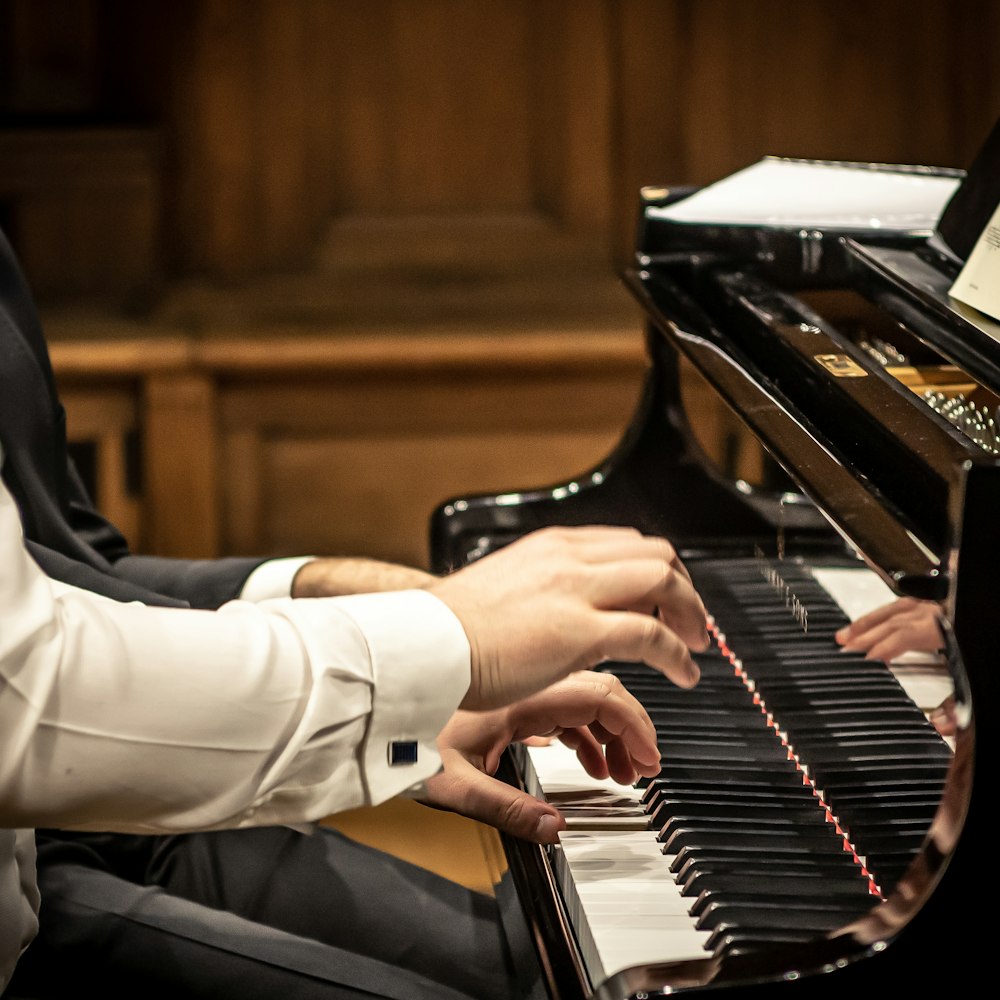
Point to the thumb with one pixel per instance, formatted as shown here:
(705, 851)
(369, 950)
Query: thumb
(465, 789)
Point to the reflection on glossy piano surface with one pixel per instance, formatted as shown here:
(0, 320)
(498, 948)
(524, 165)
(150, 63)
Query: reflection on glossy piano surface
(810, 831)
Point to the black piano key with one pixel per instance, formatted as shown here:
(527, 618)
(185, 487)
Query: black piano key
(871, 814)
(727, 942)
(739, 854)
(861, 751)
(731, 772)
(718, 861)
(750, 812)
(705, 835)
(850, 904)
(702, 791)
(814, 886)
(786, 778)
(871, 697)
(795, 828)
(875, 715)
(878, 774)
(717, 751)
(747, 916)
(930, 798)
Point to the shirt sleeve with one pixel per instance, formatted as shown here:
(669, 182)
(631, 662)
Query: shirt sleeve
(273, 578)
(119, 716)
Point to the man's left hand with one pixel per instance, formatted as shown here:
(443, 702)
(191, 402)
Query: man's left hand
(591, 712)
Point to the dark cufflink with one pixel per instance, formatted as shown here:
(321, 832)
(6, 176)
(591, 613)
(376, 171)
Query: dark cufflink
(402, 752)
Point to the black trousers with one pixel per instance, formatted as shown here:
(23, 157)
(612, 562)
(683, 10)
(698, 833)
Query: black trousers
(260, 914)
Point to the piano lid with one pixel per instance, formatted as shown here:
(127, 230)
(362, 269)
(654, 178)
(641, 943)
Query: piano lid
(729, 286)
(786, 215)
(969, 209)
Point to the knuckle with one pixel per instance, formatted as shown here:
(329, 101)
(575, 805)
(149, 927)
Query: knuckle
(512, 815)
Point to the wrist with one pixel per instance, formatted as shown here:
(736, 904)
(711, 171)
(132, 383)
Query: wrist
(331, 577)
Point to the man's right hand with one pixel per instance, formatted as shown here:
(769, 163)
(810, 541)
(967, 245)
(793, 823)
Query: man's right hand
(567, 599)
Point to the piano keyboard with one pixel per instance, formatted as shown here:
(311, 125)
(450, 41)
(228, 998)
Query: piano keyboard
(798, 781)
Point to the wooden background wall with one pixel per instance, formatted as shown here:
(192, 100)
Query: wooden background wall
(330, 262)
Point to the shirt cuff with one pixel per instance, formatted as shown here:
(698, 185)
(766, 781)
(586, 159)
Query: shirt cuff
(273, 578)
(421, 664)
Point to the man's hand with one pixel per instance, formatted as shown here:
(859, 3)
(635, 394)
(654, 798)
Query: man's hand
(590, 712)
(902, 626)
(337, 577)
(565, 599)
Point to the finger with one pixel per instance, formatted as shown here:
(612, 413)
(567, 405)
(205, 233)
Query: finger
(908, 638)
(597, 701)
(633, 546)
(863, 641)
(589, 751)
(640, 584)
(621, 764)
(877, 617)
(642, 638)
(943, 717)
(464, 789)
(904, 633)
(608, 757)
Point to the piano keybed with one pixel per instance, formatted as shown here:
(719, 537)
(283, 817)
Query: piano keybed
(798, 782)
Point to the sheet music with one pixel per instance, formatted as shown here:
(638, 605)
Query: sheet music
(978, 284)
(822, 195)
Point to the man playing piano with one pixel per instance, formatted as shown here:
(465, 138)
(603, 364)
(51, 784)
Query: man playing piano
(152, 720)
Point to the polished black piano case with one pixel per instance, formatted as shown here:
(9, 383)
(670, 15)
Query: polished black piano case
(862, 468)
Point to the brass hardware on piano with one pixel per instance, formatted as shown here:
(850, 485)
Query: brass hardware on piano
(810, 832)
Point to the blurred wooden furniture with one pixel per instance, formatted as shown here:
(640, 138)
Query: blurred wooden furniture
(337, 445)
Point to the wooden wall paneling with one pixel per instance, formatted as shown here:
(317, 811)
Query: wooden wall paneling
(105, 416)
(240, 482)
(571, 101)
(181, 459)
(85, 210)
(50, 53)
(651, 60)
(974, 72)
(840, 80)
(459, 143)
(100, 369)
(352, 459)
(370, 496)
(215, 215)
(447, 107)
(720, 83)
(283, 99)
(323, 177)
(362, 110)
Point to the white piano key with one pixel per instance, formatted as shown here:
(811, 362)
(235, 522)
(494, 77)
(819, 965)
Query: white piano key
(625, 895)
(617, 886)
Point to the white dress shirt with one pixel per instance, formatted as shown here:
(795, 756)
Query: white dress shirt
(131, 718)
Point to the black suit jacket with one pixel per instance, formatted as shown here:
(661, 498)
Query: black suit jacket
(68, 538)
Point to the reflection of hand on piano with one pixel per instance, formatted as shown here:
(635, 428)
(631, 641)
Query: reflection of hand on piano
(590, 712)
(905, 625)
(895, 629)
(565, 599)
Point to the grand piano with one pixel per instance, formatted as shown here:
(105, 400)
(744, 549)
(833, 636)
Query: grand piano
(811, 833)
